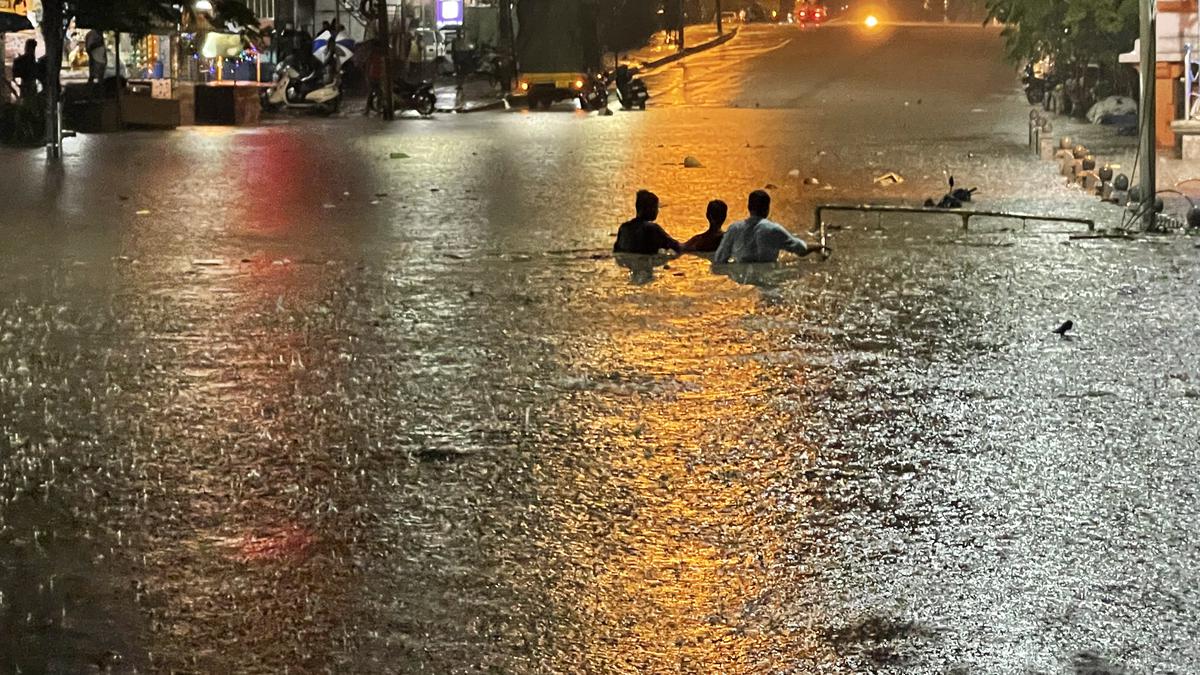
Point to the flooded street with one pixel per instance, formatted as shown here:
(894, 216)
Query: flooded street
(336, 396)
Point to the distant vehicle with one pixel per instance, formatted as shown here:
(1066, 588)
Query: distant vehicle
(730, 17)
(873, 13)
(814, 14)
(755, 13)
(430, 42)
(447, 34)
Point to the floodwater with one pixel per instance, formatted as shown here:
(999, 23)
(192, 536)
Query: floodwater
(277, 401)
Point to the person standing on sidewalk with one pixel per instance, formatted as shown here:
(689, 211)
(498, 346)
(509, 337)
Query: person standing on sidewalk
(373, 70)
(415, 56)
(25, 69)
(460, 53)
(97, 56)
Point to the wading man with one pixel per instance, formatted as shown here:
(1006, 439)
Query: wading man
(642, 234)
(758, 240)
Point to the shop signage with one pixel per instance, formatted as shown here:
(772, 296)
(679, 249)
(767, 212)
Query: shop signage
(449, 12)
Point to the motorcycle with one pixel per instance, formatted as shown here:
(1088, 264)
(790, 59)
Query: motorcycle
(1037, 88)
(594, 96)
(315, 90)
(406, 96)
(631, 91)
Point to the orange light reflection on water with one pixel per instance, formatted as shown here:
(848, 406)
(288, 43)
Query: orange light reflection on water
(674, 571)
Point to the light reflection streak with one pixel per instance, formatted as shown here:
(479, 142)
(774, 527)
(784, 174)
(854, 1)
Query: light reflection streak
(691, 482)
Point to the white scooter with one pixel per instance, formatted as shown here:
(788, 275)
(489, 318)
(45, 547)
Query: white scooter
(316, 91)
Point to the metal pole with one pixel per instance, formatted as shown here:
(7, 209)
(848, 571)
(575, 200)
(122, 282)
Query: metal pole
(117, 65)
(1188, 81)
(721, 26)
(1147, 166)
(682, 24)
(53, 29)
(385, 38)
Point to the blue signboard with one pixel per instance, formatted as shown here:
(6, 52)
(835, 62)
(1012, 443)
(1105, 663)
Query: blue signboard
(449, 12)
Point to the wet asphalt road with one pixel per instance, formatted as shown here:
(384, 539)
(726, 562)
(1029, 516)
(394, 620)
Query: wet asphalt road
(275, 401)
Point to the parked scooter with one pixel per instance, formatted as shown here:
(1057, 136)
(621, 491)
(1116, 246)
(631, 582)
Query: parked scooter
(631, 91)
(1037, 88)
(320, 89)
(594, 96)
(406, 96)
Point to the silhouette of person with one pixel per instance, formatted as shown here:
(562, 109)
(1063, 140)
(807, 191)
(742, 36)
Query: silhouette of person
(642, 234)
(97, 56)
(25, 69)
(709, 240)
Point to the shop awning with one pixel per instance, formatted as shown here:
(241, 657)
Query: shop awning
(127, 16)
(11, 22)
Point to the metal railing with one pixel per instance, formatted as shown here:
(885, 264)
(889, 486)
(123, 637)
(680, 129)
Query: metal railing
(1191, 83)
(263, 9)
(1191, 79)
(965, 215)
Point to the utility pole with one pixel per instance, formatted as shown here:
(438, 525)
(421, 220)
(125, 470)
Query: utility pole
(53, 29)
(385, 38)
(1149, 65)
(720, 25)
(508, 48)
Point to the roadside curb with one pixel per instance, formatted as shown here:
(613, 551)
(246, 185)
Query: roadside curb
(646, 65)
(715, 42)
(492, 105)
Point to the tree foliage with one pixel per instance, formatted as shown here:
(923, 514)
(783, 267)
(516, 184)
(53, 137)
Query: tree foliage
(1071, 32)
(615, 25)
(626, 24)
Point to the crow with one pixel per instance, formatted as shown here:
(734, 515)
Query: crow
(1065, 328)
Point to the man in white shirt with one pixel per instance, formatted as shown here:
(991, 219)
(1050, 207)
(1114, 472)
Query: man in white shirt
(758, 240)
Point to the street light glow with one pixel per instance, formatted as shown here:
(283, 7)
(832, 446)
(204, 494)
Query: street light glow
(872, 21)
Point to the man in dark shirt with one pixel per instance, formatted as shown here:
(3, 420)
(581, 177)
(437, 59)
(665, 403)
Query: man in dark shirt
(97, 56)
(25, 69)
(708, 241)
(642, 234)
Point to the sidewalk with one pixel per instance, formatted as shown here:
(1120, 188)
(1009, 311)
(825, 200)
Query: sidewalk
(1172, 173)
(478, 95)
(696, 37)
